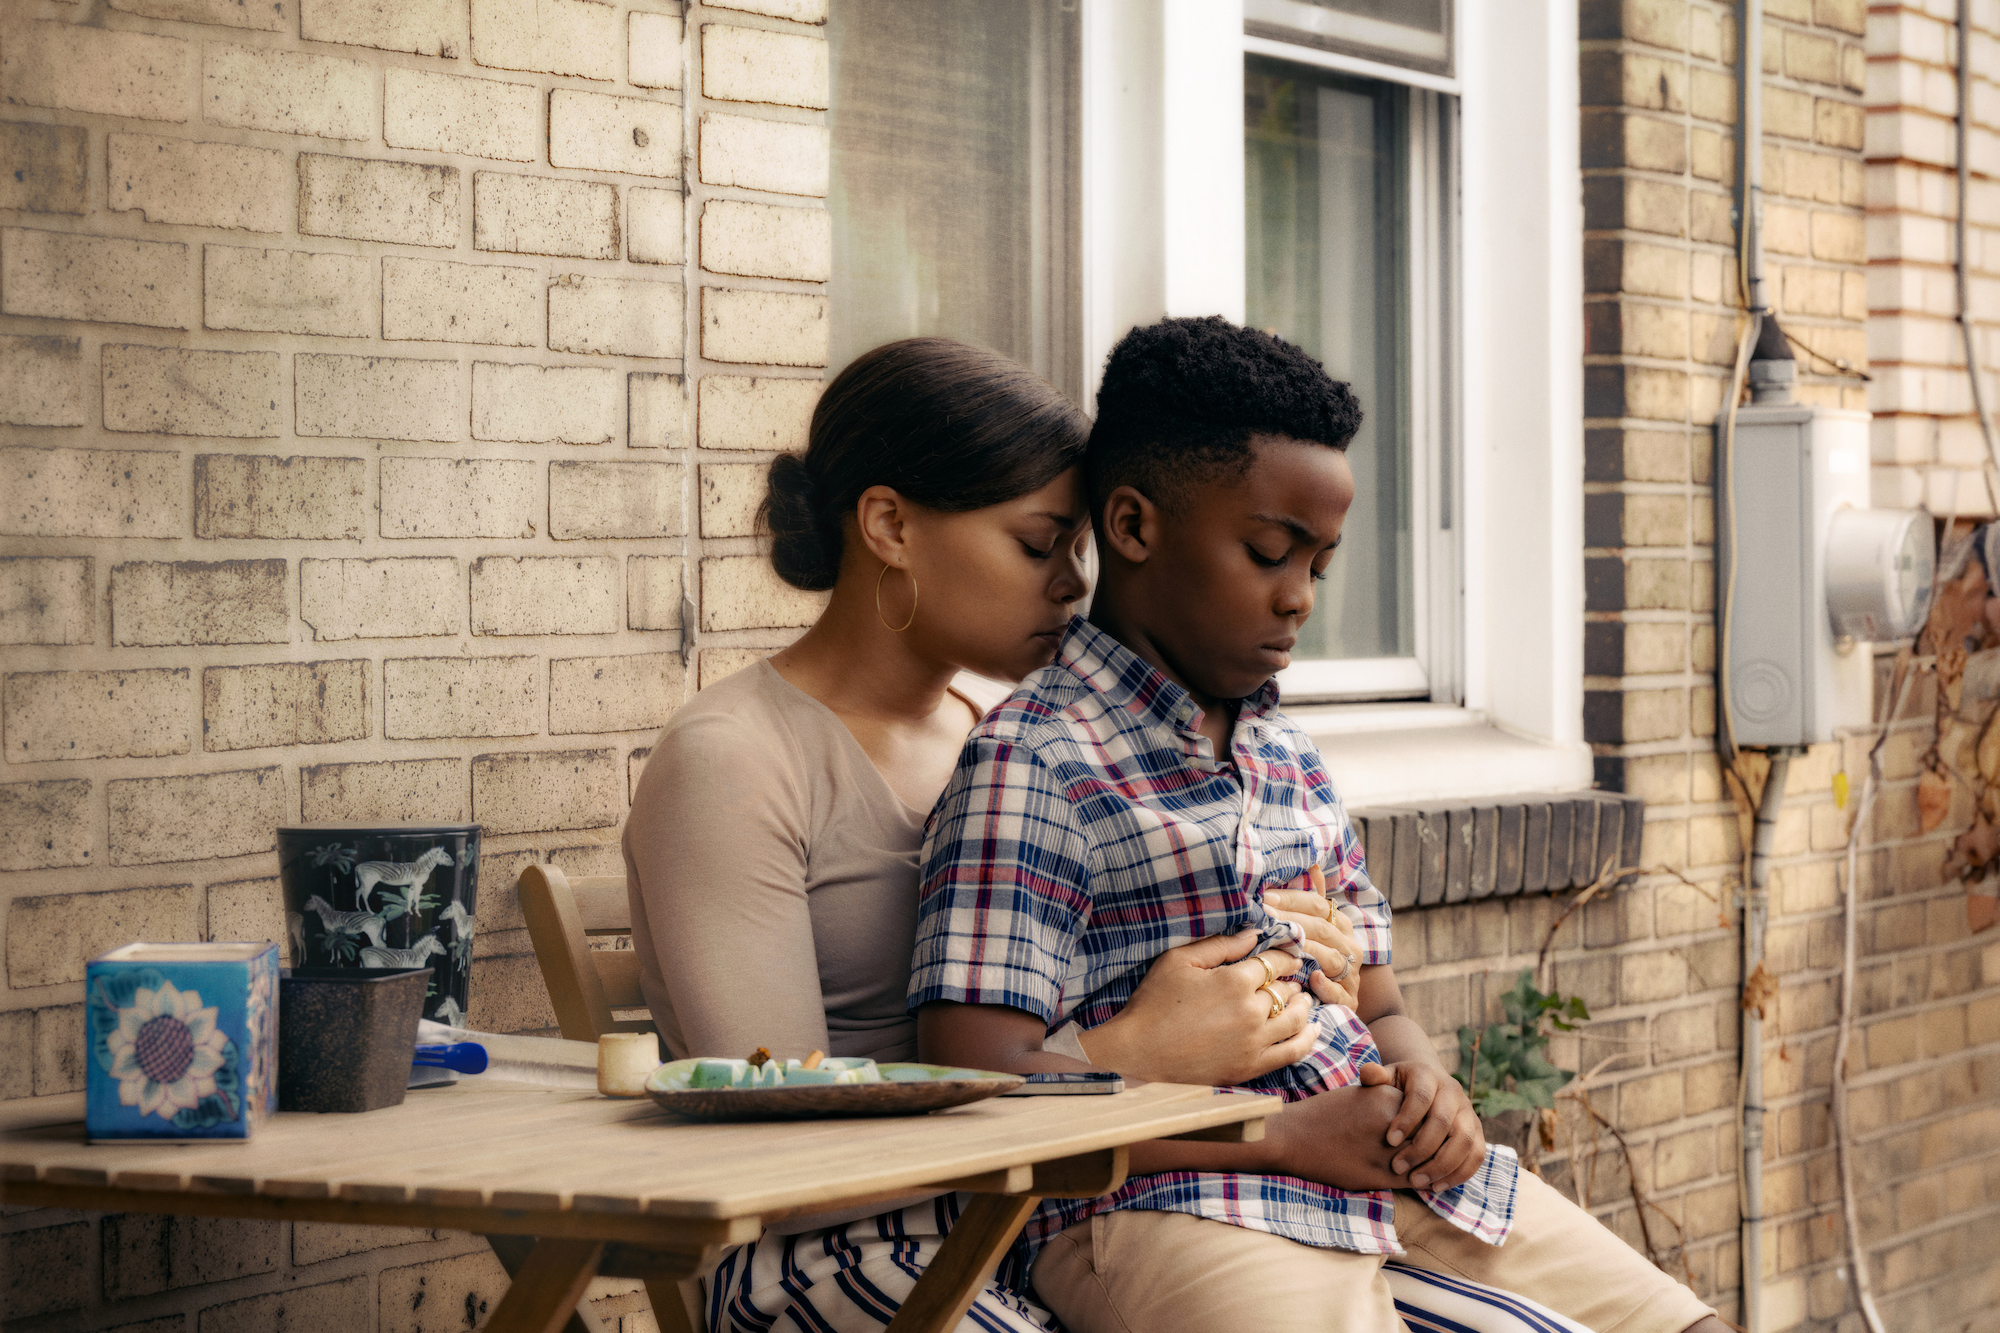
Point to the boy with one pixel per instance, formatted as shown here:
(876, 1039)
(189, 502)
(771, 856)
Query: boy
(1142, 792)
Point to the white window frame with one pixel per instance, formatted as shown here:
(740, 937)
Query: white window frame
(1163, 234)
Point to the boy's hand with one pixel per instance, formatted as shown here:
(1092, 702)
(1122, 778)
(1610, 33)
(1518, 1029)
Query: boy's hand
(1438, 1133)
(1338, 1138)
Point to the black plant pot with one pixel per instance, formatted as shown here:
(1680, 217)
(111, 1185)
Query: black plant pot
(346, 1036)
(385, 896)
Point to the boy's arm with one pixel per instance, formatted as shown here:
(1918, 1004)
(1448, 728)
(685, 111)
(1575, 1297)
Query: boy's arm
(1435, 1127)
(1337, 1138)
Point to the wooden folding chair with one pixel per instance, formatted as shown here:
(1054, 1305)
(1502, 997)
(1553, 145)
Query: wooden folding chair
(586, 985)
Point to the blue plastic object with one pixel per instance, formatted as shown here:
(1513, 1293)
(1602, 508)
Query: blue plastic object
(463, 1057)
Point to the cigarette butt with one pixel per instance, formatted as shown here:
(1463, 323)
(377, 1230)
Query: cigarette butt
(812, 1061)
(761, 1056)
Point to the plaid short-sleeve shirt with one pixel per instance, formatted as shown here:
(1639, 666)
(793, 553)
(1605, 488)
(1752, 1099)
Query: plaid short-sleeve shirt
(1088, 828)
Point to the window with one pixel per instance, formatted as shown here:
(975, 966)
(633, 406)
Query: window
(955, 178)
(1344, 256)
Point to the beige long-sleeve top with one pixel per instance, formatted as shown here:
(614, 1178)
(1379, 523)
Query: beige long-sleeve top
(773, 879)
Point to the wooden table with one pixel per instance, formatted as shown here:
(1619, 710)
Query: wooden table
(568, 1184)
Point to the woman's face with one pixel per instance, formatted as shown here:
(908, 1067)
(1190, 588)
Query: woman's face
(995, 585)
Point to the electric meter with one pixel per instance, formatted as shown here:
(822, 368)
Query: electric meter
(1878, 572)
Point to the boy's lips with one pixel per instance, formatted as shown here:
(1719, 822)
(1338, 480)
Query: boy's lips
(1278, 653)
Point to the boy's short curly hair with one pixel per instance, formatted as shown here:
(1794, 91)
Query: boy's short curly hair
(1181, 399)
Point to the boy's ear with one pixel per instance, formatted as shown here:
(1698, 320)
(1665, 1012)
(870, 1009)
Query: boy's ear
(884, 520)
(1131, 525)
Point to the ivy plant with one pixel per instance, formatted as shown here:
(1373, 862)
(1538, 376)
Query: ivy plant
(1505, 1067)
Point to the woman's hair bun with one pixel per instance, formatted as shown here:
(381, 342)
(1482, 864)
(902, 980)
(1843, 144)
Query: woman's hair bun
(805, 550)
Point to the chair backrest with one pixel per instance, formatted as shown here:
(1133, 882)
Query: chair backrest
(585, 984)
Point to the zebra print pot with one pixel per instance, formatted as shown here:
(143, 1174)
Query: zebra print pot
(385, 895)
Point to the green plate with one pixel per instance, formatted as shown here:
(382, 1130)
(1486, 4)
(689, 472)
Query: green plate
(668, 1086)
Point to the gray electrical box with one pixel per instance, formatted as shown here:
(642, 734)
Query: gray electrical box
(1792, 678)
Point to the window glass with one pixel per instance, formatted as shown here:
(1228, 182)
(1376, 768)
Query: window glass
(954, 178)
(1326, 167)
(1413, 33)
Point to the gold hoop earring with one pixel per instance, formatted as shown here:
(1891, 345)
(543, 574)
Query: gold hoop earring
(895, 629)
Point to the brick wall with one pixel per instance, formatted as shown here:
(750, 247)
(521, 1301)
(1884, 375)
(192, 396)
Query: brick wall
(1659, 964)
(381, 385)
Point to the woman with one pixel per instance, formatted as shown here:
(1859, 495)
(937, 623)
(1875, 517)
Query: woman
(781, 813)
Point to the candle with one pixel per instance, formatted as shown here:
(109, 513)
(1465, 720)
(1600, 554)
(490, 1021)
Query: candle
(624, 1061)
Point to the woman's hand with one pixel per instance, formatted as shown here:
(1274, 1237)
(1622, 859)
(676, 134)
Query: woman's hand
(1203, 1015)
(1329, 938)
(1435, 1132)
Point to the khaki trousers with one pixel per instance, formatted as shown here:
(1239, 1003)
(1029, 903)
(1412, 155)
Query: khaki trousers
(1143, 1272)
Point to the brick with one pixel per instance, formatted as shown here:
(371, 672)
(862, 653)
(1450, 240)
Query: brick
(634, 692)
(45, 824)
(287, 92)
(798, 11)
(146, 1254)
(450, 113)
(752, 65)
(507, 996)
(459, 497)
(198, 184)
(656, 405)
(97, 714)
(234, 13)
(774, 155)
(58, 1056)
(46, 601)
(730, 496)
(400, 791)
(41, 380)
(90, 493)
(1839, 237)
(653, 50)
(635, 500)
(427, 698)
(287, 291)
(655, 230)
(555, 789)
(763, 241)
(47, 1269)
(360, 199)
(433, 300)
(617, 316)
(742, 413)
(381, 599)
(744, 592)
(194, 819)
(249, 909)
(722, 663)
(110, 281)
(547, 36)
(46, 170)
(427, 27)
(771, 328)
(179, 391)
(299, 498)
(544, 404)
(378, 398)
(653, 592)
(284, 703)
(154, 603)
(1838, 124)
(75, 68)
(516, 595)
(441, 1294)
(317, 1242)
(534, 216)
(324, 1308)
(632, 135)
(17, 1031)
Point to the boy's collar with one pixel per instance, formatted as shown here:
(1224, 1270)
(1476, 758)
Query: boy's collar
(1133, 683)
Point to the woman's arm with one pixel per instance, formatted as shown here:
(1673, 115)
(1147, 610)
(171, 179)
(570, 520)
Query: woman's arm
(717, 839)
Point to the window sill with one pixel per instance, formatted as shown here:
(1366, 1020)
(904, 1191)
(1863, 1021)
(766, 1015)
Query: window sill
(1382, 754)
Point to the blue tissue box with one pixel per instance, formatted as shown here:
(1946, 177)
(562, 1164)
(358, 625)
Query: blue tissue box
(182, 1041)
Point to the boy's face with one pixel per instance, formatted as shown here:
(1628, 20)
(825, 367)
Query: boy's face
(1225, 581)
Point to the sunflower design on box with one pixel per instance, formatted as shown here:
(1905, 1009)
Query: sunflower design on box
(182, 1041)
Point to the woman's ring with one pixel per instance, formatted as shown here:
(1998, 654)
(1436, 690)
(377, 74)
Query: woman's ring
(1270, 973)
(1346, 966)
(1277, 1005)
(1329, 910)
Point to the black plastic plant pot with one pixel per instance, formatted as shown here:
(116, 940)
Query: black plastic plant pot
(346, 1036)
